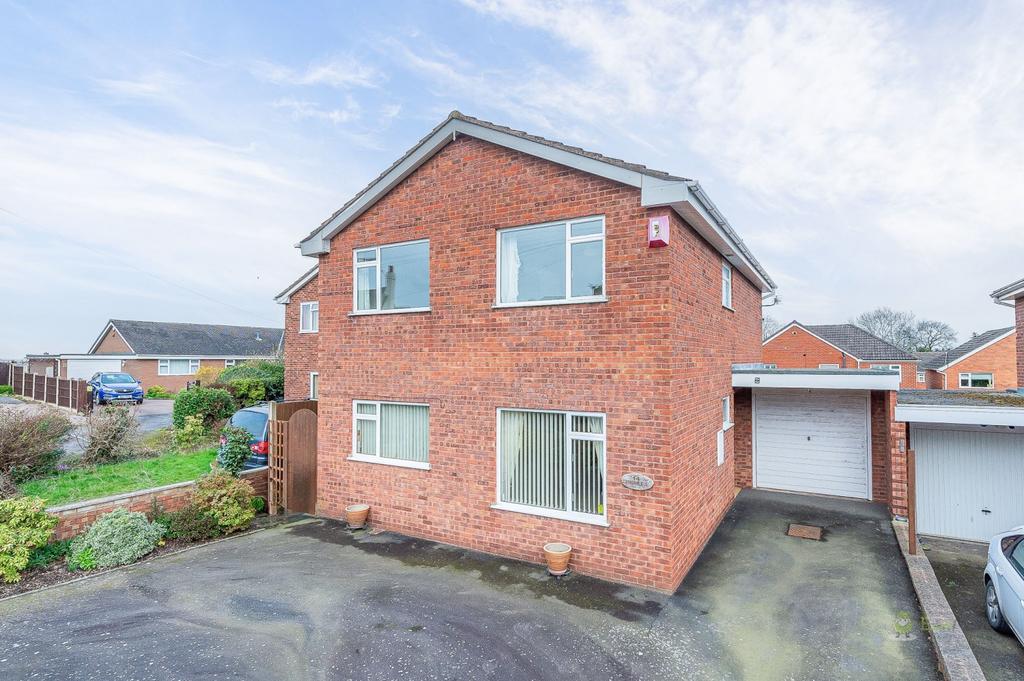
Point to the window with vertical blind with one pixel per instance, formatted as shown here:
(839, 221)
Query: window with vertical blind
(391, 433)
(552, 463)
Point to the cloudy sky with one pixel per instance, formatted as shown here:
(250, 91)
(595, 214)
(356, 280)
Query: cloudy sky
(160, 160)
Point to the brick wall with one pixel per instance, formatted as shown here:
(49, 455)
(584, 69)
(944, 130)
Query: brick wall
(147, 371)
(797, 349)
(934, 380)
(654, 358)
(300, 349)
(1019, 306)
(75, 518)
(112, 344)
(999, 358)
(743, 437)
(908, 374)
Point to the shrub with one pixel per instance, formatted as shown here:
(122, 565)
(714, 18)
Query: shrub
(212, 404)
(207, 375)
(226, 499)
(233, 453)
(111, 434)
(248, 391)
(158, 392)
(24, 525)
(6, 390)
(258, 504)
(83, 560)
(30, 440)
(191, 434)
(269, 374)
(49, 553)
(190, 524)
(116, 538)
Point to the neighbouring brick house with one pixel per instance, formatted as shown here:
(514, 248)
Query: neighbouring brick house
(987, 361)
(839, 346)
(301, 335)
(1012, 295)
(510, 326)
(168, 353)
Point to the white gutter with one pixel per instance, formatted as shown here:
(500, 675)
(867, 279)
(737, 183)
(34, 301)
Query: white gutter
(963, 415)
(768, 379)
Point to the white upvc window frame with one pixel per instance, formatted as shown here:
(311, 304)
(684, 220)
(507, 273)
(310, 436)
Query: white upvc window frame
(898, 368)
(230, 363)
(570, 240)
(921, 377)
(377, 458)
(969, 376)
(163, 366)
(375, 264)
(573, 516)
(727, 285)
(828, 366)
(727, 421)
(314, 385)
(314, 325)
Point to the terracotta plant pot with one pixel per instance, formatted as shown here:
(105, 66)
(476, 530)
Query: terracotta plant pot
(557, 555)
(355, 516)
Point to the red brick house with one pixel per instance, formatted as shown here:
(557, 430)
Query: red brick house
(169, 354)
(839, 346)
(1012, 295)
(301, 335)
(505, 328)
(987, 361)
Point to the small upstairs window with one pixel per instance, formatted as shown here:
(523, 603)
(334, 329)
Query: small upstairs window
(726, 285)
(309, 317)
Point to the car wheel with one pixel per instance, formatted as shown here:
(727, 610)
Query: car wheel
(993, 612)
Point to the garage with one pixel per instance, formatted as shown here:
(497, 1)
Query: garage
(813, 441)
(85, 367)
(970, 480)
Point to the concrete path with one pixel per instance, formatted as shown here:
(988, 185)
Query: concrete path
(312, 601)
(960, 569)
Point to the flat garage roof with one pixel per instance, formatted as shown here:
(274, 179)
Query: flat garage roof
(822, 379)
(964, 407)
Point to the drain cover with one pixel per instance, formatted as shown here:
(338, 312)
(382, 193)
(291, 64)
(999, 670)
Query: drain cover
(805, 531)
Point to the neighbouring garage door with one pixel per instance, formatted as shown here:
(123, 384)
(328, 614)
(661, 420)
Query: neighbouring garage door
(970, 481)
(813, 441)
(85, 368)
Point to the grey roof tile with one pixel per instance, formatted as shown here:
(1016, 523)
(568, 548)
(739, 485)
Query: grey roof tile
(950, 356)
(859, 343)
(173, 338)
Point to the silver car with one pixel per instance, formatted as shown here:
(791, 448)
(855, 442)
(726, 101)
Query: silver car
(1004, 583)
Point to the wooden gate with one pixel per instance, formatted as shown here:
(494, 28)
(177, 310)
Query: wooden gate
(292, 475)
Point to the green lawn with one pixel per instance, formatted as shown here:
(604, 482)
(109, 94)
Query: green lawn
(115, 478)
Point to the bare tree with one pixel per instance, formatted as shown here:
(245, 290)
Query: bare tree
(889, 325)
(904, 330)
(932, 335)
(769, 326)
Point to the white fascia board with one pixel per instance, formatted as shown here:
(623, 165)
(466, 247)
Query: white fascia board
(1008, 294)
(977, 350)
(320, 242)
(979, 416)
(684, 200)
(817, 381)
(285, 296)
(97, 356)
(99, 339)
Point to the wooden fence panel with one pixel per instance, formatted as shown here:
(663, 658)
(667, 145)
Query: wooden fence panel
(63, 392)
(5, 373)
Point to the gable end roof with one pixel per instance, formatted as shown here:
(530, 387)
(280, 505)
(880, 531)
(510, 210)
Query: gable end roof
(285, 296)
(970, 347)
(658, 188)
(853, 340)
(213, 340)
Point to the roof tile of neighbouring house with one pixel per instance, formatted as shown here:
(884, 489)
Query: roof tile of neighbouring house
(859, 343)
(932, 359)
(214, 340)
(941, 359)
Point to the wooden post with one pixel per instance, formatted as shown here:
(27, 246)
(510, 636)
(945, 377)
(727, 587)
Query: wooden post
(912, 500)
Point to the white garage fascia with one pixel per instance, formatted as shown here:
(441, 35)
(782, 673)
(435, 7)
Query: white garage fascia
(979, 416)
(824, 381)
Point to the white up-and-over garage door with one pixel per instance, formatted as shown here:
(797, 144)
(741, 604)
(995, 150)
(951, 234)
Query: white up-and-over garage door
(970, 480)
(815, 441)
(85, 368)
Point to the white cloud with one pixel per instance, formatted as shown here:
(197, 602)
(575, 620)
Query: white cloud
(341, 72)
(303, 109)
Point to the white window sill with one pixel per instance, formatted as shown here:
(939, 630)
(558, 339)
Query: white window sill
(551, 513)
(541, 303)
(423, 466)
(728, 307)
(309, 330)
(363, 313)
(727, 427)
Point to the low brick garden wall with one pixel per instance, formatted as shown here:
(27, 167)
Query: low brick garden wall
(74, 518)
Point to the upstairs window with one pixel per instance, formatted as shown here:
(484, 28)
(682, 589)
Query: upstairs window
(393, 278)
(309, 317)
(559, 262)
(976, 380)
(726, 285)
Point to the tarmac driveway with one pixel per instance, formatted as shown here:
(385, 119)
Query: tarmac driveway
(308, 600)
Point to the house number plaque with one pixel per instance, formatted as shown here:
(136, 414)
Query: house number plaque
(637, 481)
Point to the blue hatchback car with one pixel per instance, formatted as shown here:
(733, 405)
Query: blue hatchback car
(115, 387)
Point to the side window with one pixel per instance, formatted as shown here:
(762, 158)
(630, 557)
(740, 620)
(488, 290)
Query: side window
(309, 317)
(1016, 556)
(726, 285)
